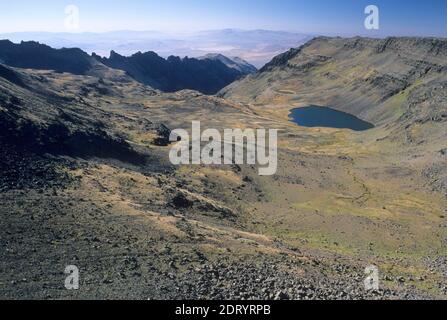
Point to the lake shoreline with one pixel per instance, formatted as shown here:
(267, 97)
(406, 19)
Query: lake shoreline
(326, 117)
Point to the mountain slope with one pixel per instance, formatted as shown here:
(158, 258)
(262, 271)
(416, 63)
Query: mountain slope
(235, 63)
(85, 181)
(34, 55)
(379, 80)
(174, 74)
(398, 84)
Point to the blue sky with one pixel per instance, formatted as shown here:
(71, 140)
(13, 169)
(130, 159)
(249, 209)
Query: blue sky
(343, 17)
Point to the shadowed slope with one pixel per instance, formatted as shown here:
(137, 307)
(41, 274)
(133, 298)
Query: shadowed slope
(174, 74)
(34, 55)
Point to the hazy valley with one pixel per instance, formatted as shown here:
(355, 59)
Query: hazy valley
(255, 46)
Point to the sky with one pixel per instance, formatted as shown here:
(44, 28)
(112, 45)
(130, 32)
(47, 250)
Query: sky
(331, 17)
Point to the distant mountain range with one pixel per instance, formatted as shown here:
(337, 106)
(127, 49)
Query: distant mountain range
(255, 46)
(207, 75)
(234, 62)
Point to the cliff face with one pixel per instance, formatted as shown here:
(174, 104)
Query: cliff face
(33, 55)
(174, 74)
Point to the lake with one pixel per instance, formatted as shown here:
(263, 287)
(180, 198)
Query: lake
(314, 116)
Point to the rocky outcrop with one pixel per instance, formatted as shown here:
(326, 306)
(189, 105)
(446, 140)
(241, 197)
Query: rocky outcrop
(33, 55)
(11, 76)
(207, 76)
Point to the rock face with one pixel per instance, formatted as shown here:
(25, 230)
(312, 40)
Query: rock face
(207, 76)
(33, 55)
(11, 76)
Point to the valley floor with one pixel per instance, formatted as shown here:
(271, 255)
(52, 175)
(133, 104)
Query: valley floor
(340, 202)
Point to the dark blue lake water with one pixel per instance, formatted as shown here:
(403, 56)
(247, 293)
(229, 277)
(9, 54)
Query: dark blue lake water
(314, 116)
